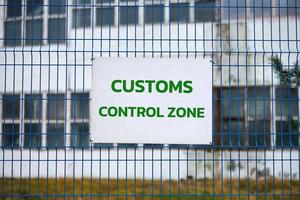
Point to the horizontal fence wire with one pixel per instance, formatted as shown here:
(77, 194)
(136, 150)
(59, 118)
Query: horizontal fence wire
(47, 49)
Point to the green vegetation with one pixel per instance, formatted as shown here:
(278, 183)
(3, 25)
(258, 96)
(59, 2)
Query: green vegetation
(268, 188)
(289, 75)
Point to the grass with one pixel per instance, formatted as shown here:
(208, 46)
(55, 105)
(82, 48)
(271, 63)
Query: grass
(147, 189)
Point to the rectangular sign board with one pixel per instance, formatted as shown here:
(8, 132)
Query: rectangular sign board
(151, 100)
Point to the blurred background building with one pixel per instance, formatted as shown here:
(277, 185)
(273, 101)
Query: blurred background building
(47, 49)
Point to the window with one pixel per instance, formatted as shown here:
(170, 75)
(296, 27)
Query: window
(105, 16)
(259, 116)
(10, 137)
(80, 135)
(56, 30)
(82, 13)
(244, 117)
(261, 8)
(29, 29)
(55, 135)
(82, 2)
(80, 106)
(178, 146)
(34, 22)
(104, 1)
(82, 18)
(57, 7)
(153, 146)
(55, 107)
(205, 10)
(80, 120)
(11, 106)
(128, 0)
(33, 120)
(34, 7)
(233, 117)
(287, 117)
(27, 117)
(288, 7)
(233, 9)
(154, 13)
(179, 12)
(13, 23)
(34, 32)
(127, 145)
(57, 22)
(10, 123)
(55, 120)
(32, 135)
(14, 8)
(12, 33)
(129, 14)
(103, 145)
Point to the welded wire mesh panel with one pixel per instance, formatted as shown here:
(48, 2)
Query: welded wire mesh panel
(47, 48)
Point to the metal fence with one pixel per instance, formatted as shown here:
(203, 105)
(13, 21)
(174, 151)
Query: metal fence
(47, 49)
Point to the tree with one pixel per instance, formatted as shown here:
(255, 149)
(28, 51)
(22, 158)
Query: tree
(290, 77)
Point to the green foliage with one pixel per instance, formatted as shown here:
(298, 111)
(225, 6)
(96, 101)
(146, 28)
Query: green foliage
(287, 76)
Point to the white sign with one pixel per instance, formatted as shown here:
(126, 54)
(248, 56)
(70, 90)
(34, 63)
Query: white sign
(151, 100)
